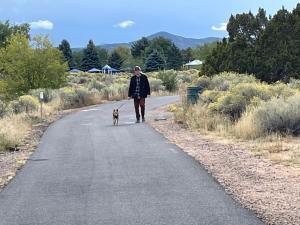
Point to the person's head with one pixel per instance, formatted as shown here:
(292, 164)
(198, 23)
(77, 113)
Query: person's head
(137, 70)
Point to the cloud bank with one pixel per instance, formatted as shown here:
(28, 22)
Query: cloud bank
(124, 24)
(42, 24)
(220, 27)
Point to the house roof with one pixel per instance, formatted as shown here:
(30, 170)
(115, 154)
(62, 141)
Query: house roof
(106, 67)
(75, 70)
(94, 70)
(195, 62)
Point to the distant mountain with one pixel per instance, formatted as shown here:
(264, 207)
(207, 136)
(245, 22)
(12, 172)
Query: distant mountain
(183, 42)
(180, 42)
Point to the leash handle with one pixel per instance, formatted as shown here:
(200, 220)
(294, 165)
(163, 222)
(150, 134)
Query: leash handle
(122, 105)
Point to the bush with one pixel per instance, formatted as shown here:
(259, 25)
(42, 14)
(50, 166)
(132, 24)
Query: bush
(13, 130)
(184, 78)
(78, 79)
(4, 109)
(282, 90)
(294, 83)
(225, 81)
(235, 101)
(94, 84)
(229, 104)
(156, 85)
(200, 118)
(275, 116)
(210, 96)
(78, 97)
(49, 94)
(115, 92)
(25, 103)
(169, 79)
(203, 81)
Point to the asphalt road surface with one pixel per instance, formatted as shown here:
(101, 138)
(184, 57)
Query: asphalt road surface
(88, 172)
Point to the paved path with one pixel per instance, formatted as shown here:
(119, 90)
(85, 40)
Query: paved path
(87, 172)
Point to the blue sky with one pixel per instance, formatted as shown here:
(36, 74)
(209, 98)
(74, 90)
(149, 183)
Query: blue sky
(127, 20)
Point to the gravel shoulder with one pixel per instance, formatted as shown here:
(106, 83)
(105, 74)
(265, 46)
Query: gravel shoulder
(271, 190)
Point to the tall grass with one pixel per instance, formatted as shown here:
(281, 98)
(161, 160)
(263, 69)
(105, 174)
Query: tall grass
(240, 105)
(13, 130)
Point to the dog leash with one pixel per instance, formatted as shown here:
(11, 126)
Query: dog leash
(122, 105)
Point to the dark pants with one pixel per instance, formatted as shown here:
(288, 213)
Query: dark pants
(137, 104)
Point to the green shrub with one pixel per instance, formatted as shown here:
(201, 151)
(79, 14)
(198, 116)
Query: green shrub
(169, 79)
(78, 97)
(94, 84)
(203, 81)
(25, 103)
(210, 96)
(115, 92)
(156, 85)
(278, 115)
(224, 81)
(235, 101)
(78, 79)
(229, 104)
(294, 83)
(4, 109)
(282, 90)
(184, 78)
(49, 94)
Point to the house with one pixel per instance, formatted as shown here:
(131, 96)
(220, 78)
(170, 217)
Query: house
(94, 70)
(75, 71)
(109, 70)
(193, 64)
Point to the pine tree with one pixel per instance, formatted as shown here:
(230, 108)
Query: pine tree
(115, 60)
(187, 55)
(155, 61)
(174, 58)
(65, 48)
(90, 57)
(138, 47)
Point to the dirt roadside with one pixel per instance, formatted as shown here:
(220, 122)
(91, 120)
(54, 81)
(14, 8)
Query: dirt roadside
(272, 191)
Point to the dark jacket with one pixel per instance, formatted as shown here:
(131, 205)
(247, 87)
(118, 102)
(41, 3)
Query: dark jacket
(144, 86)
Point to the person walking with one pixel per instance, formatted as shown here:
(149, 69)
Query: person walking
(139, 89)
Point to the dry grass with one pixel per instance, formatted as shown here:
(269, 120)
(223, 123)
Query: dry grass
(13, 130)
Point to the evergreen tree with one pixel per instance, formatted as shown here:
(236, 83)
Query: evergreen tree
(103, 56)
(174, 58)
(115, 60)
(65, 48)
(187, 55)
(77, 58)
(138, 47)
(155, 61)
(90, 57)
(277, 57)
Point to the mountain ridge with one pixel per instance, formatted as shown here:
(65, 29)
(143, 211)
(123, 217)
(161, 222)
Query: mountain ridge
(180, 41)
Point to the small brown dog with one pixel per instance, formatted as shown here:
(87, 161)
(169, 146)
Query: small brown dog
(116, 117)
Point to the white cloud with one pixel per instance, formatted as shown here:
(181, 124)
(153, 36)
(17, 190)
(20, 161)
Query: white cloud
(125, 24)
(220, 27)
(42, 24)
